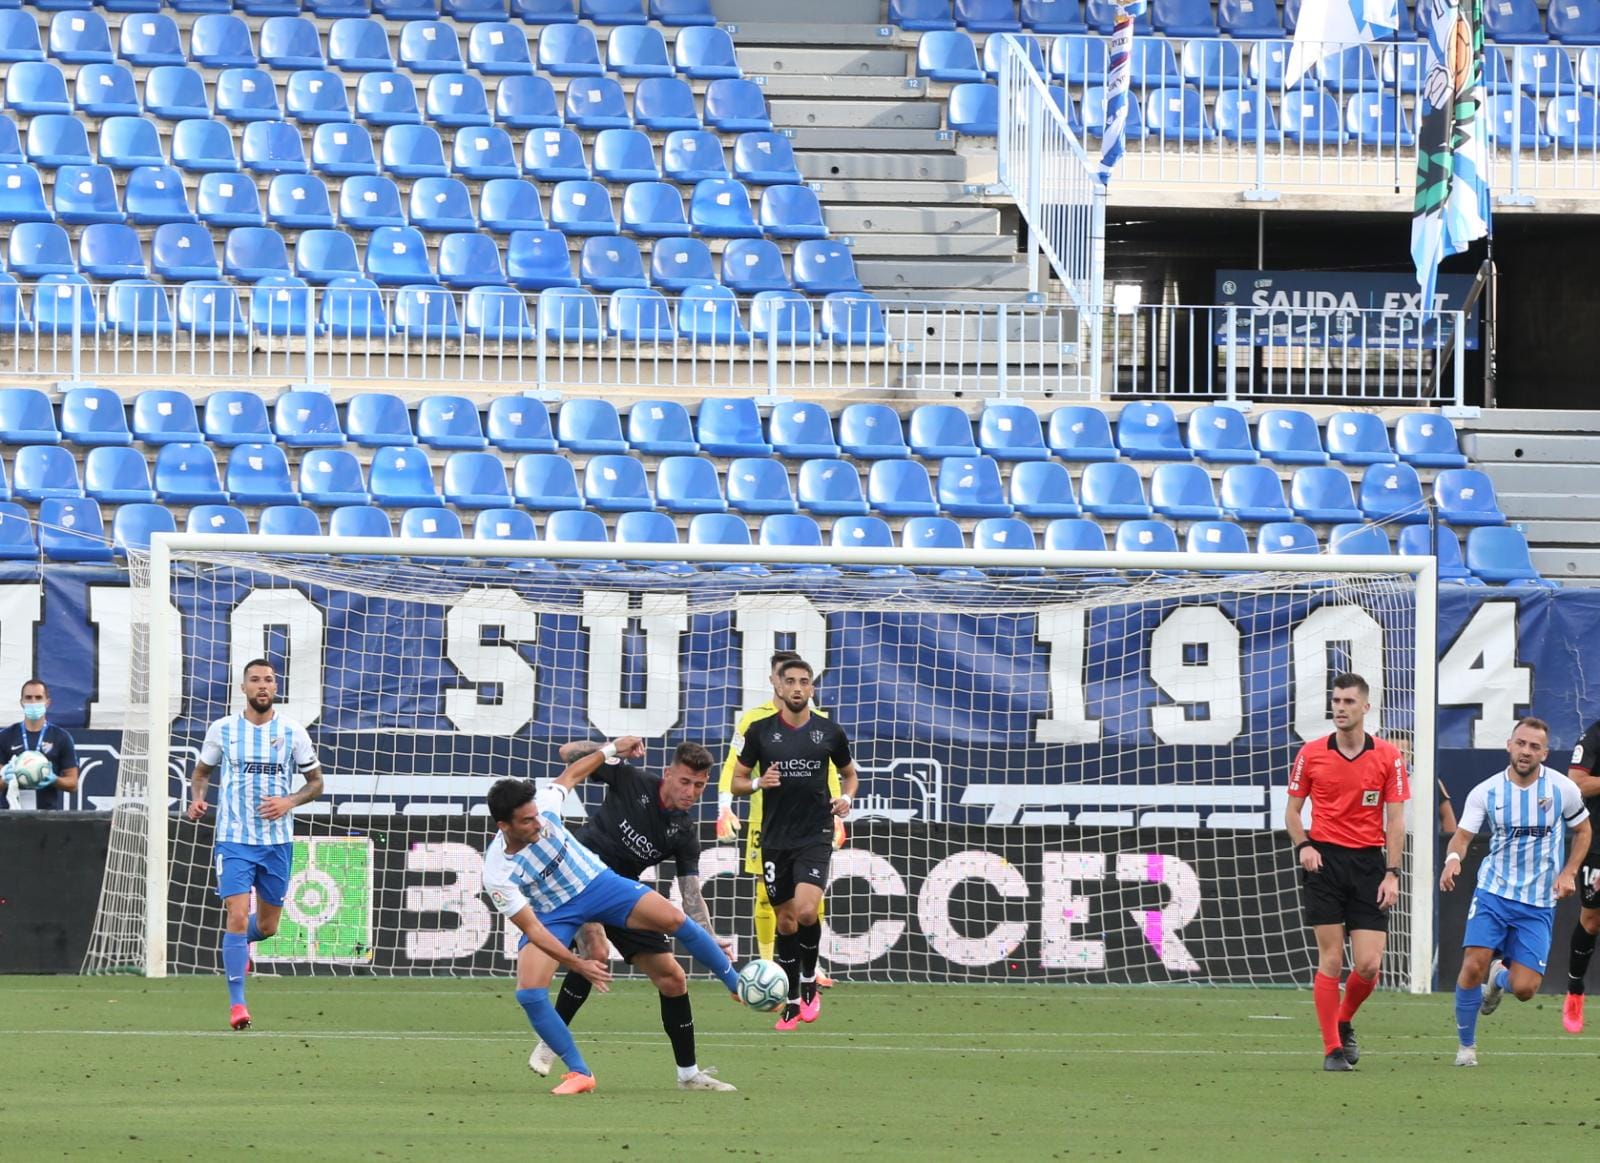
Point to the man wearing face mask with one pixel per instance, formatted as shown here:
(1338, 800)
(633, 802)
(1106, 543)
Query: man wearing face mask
(36, 733)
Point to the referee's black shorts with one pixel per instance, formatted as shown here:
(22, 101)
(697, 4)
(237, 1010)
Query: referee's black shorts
(1345, 891)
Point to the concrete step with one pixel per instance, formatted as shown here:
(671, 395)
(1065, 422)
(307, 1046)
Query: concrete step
(873, 139)
(954, 273)
(848, 87)
(1552, 532)
(826, 164)
(879, 192)
(867, 32)
(1519, 448)
(904, 219)
(1555, 480)
(933, 245)
(1530, 420)
(1544, 506)
(1567, 565)
(856, 114)
(949, 295)
(806, 61)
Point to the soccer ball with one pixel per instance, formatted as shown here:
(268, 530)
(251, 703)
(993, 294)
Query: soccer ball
(29, 770)
(763, 985)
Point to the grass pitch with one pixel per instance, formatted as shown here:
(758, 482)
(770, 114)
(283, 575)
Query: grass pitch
(123, 1068)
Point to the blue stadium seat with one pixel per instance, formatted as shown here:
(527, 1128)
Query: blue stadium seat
(1177, 113)
(538, 259)
(134, 525)
(681, 13)
(751, 265)
(969, 486)
(80, 38)
(581, 207)
(69, 530)
(900, 488)
(1052, 17)
(203, 147)
(1513, 22)
(1466, 496)
(1289, 436)
(765, 159)
(866, 532)
(281, 307)
(274, 147)
(1573, 121)
(149, 40)
(759, 485)
(44, 470)
(987, 15)
(949, 56)
(1042, 488)
(1148, 430)
(822, 266)
(35, 87)
(578, 525)
(941, 430)
(39, 248)
(1500, 555)
(386, 98)
(1101, 15)
(546, 482)
(1081, 434)
(590, 426)
(1216, 537)
(654, 210)
(661, 428)
(235, 418)
(1146, 536)
(720, 208)
(22, 194)
(731, 427)
(1427, 440)
(321, 256)
(291, 42)
(1249, 19)
(64, 303)
(793, 212)
(614, 484)
(1574, 22)
(1402, 67)
(611, 263)
(569, 50)
(723, 529)
(624, 155)
(477, 480)
(1378, 119)
(499, 315)
(397, 256)
(1349, 71)
(1078, 60)
(258, 474)
(1213, 64)
(920, 15)
(307, 419)
(505, 525)
(992, 53)
(221, 41)
(186, 474)
(26, 417)
(1011, 432)
(1183, 492)
(595, 103)
(1074, 535)
(401, 477)
(359, 521)
(974, 109)
(288, 521)
(90, 417)
(177, 93)
(137, 307)
(342, 149)
(475, 11)
(450, 422)
(228, 200)
(181, 251)
(57, 139)
(780, 317)
(1112, 489)
(509, 204)
(85, 195)
(211, 311)
(332, 476)
(217, 519)
(802, 430)
(679, 263)
(129, 142)
(1322, 494)
(1351, 539)
(1221, 436)
(872, 432)
(1312, 117)
(468, 260)
(413, 151)
(165, 416)
(612, 12)
(247, 95)
(300, 201)
(378, 420)
(1253, 492)
(365, 202)
(430, 46)
(1358, 438)
(831, 487)
(499, 49)
(1392, 493)
(1512, 121)
(1286, 537)
(641, 315)
(570, 316)
(1175, 18)
(708, 313)
(519, 424)
(425, 311)
(14, 317)
(797, 530)
(665, 104)
(456, 100)
(554, 155)
(650, 528)
(734, 105)
(637, 51)
(103, 90)
(526, 103)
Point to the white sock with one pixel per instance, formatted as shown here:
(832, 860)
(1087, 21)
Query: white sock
(687, 1072)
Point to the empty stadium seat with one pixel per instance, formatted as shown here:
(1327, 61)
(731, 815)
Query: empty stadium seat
(594, 103)
(1253, 492)
(1004, 533)
(1216, 537)
(1241, 116)
(1378, 119)
(320, 256)
(581, 207)
(795, 530)
(1177, 18)
(103, 90)
(288, 521)
(1573, 121)
(229, 200)
(1289, 436)
(221, 41)
(1146, 536)
(611, 263)
(307, 419)
(211, 310)
(450, 422)
(150, 40)
(1081, 434)
(186, 474)
(510, 204)
(1465, 496)
(1220, 435)
(614, 484)
(948, 56)
(235, 418)
(920, 15)
(401, 476)
(758, 485)
(637, 51)
(578, 526)
(90, 417)
(900, 488)
(1055, 17)
(969, 486)
(778, 317)
(35, 87)
(823, 266)
(203, 147)
(282, 307)
(498, 314)
(85, 195)
(153, 195)
(430, 46)
(181, 251)
(1311, 116)
(765, 159)
(1512, 121)
(538, 259)
(1011, 432)
(1427, 440)
(26, 417)
(365, 203)
(720, 208)
(397, 256)
(137, 307)
(134, 525)
(1177, 113)
(708, 313)
(735, 105)
(679, 263)
(1322, 494)
(504, 525)
(653, 210)
(359, 521)
(57, 139)
(661, 428)
(40, 471)
(865, 532)
(1359, 438)
(665, 104)
(793, 211)
(1513, 22)
(802, 430)
(1442, 545)
(974, 109)
(64, 303)
(1042, 488)
(1074, 535)
(650, 528)
(247, 95)
(546, 482)
(1286, 537)
(992, 53)
(456, 100)
(497, 48)
(341, 149)
(1392, 493)
(387, 98)
(590, 426)
(987, 15)
(258, 474)
(352, 307)
(831, 487)
(570, 316)
(70, 529)
(1249, 19)
(1149, 431)
(1347, 540)
(413, 151)
(217, 519)
(1112, 489)
(165, 416)
(1500, 555)
(731, 427)
(1183, 492)
(936, 533)
(332, 476)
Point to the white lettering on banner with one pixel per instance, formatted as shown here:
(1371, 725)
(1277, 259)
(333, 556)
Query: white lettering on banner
(881, 936)
(1479, 669)
(20, 607)
(1160, 926)
(1064, 632)
(508, 704)
(303, 623)
(461, 894)
(1062, 912)
(1211, 680)
(111, 614)
(933, 908)
(663, 619)
(769, 622)
(1356, 630)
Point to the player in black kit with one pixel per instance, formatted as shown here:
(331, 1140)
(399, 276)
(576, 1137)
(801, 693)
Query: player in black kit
(1584, 770)
(792, 750)
(643, 820)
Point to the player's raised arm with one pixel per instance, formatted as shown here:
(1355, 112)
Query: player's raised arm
(578, 770)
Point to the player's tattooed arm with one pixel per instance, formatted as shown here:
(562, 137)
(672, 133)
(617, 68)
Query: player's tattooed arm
(694, 906)
(577, 749)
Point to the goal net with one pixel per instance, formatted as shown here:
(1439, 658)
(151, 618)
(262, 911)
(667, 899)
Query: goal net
(1068, 774)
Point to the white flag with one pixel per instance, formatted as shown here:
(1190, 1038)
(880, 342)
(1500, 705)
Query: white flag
(1328, 27)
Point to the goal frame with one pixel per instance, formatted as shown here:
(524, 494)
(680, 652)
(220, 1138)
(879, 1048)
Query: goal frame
(164, 633)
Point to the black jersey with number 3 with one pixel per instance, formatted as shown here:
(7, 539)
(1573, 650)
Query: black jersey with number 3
(630, 831)
(1587, 756)
(796, 812)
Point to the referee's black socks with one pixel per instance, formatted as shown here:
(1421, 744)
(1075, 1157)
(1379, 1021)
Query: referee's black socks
(1578, 958)
(574, 992)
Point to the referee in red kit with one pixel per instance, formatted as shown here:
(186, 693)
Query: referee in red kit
(1350, 864)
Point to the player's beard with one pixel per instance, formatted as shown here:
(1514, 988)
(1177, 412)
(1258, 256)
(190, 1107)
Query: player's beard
(797, 703)
(261, 704)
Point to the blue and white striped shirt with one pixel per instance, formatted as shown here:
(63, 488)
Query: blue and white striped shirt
(1528, 833)
(255, 761)
(545, 874)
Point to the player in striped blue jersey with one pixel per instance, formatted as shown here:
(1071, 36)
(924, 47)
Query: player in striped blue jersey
(549, 885)
(1528, 810)
(259, 752)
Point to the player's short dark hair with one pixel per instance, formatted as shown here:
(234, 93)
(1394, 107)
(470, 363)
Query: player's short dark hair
(1351, 679)
(506, 796)
(782, 656)
(693, 756)
(1533, 723)
(38, 682)
(255, 662)
(796, 663)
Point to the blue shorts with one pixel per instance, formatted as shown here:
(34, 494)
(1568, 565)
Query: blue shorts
(263, 867)
(609, 898)
(1520, 933)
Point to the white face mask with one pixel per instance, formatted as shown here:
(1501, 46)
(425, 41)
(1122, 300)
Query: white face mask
(33, 712)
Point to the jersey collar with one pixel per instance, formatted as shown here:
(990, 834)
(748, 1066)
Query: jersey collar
(1367, 744)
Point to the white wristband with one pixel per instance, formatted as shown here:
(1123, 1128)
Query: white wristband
(609, 751)
(1449, 856)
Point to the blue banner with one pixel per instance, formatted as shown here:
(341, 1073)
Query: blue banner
(1336, 309)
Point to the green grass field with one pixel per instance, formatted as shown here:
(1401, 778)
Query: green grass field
(123, 1068)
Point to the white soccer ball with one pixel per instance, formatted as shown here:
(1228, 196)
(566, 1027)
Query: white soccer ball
(763, 985)
(29, 770)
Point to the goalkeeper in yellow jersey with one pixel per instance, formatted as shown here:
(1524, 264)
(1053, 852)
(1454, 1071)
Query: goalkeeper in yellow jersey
(728, 825)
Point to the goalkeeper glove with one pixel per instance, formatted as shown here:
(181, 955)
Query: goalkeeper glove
(727, 820)
(839, 835)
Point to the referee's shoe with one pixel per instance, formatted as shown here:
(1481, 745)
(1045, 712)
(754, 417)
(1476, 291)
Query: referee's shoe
(1336, 1060)
(1348, 1043)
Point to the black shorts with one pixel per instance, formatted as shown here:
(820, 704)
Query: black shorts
(1345, 891)
(1588, 891)
(630, 943)
(783, 868)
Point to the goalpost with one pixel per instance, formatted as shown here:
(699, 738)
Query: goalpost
(1073, 764)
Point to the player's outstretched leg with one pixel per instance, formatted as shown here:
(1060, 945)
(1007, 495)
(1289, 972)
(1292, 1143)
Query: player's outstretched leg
(574, 992)
(542, 1016)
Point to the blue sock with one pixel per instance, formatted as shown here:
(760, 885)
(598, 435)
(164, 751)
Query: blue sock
(254, 932)
(235, 954)
(703, 948)
(1503, 979)
(1468, 1003)
(549, 1026)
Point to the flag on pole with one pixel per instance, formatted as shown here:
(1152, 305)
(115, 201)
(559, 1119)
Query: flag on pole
(1117, 73)
(1328, 27)
(1452, 202)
